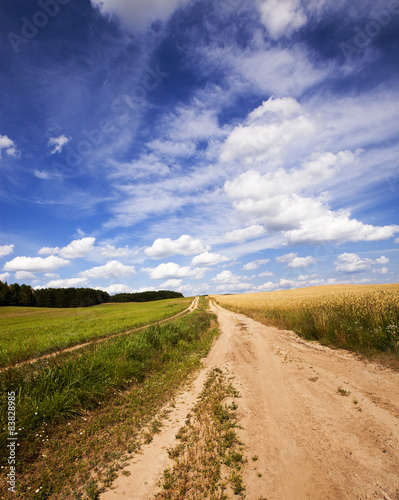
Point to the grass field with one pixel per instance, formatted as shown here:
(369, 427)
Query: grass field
(27, 332)
(80, 415)
(361, 318)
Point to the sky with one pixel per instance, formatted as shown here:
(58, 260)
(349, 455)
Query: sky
(224, 146)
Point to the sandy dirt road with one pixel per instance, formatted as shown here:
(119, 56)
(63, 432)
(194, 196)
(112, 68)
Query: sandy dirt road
(312, 442)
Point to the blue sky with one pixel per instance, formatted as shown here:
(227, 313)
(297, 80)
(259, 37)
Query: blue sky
(202, 146)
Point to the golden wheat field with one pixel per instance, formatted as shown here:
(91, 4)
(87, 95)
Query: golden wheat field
(363, 318)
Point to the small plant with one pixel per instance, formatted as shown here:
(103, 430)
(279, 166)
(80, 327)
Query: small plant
(342, 391)
(92, 490)
(255, 458)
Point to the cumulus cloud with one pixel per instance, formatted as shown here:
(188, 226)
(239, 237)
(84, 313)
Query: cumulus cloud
(280, 201)
(137, 14)
(75, 249)
(349, 263)
(267, 131)
(35, 264)
(6, 250)
(112, 269)
(165, 247)
(120, 288)
(281, 17)
(58, 143)
(172, 283)
(172, 270)
(255, 264)
(265, 274)
(4, 276)
(293, 261)
(300, 282)
(229, 282)
(24, 275)
(9, 146)
(208, 258)
(382, 260)
(248, 233)
(110, 251)
(382, 270)
(67, 283)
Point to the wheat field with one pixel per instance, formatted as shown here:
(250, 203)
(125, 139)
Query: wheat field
(362, 318)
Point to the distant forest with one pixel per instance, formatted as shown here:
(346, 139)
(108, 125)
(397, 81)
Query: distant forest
(25, 295)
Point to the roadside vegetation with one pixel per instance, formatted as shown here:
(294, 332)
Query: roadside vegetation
(363, 319)
(209, 458)
(80, 416)
(28, 332)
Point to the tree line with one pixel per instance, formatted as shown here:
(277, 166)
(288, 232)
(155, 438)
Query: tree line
(25, 295)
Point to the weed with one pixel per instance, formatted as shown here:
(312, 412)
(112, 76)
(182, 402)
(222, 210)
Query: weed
(342, 391)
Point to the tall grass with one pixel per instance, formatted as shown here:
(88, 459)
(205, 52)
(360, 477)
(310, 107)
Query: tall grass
(27, 332)
(360, 319)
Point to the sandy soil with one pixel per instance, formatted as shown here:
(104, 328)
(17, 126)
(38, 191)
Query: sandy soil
(311, 441)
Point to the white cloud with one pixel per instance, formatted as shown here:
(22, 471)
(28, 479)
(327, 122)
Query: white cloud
(165, 247)
(285, 106)
(75, 249)
(348, 263)
(35, 264)
(6, 250)
(4, 276)
(58, 143)
(276, 200)
(293, 261)
(67, 283)
(9, 146)
(172, 148)
(172, 270)
(112, 269)
(265, 274)
(245, 234)
(281, 17)
(172, 283)
(120, 288)
(110, 251)
(260, 142)
(24, 275)
(208, 258)
(383, 270)
(226, 276)
(136, 13)
(382, 260)
(255, 264)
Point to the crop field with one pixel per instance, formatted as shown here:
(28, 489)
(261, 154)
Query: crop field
(361, 318)
(28, 332)
(81, 413)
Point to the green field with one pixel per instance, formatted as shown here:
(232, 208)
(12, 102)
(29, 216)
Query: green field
(28, 332)
(80, 414)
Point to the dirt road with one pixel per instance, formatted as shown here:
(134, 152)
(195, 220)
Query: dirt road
(323, 424)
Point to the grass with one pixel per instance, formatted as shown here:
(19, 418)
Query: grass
(209, 457)
(28, 332)
(360, 318)
(80, 416)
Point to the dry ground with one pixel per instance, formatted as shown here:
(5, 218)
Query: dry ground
(317, 423)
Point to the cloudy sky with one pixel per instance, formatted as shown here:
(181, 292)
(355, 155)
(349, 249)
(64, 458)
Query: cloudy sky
(201, 146)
